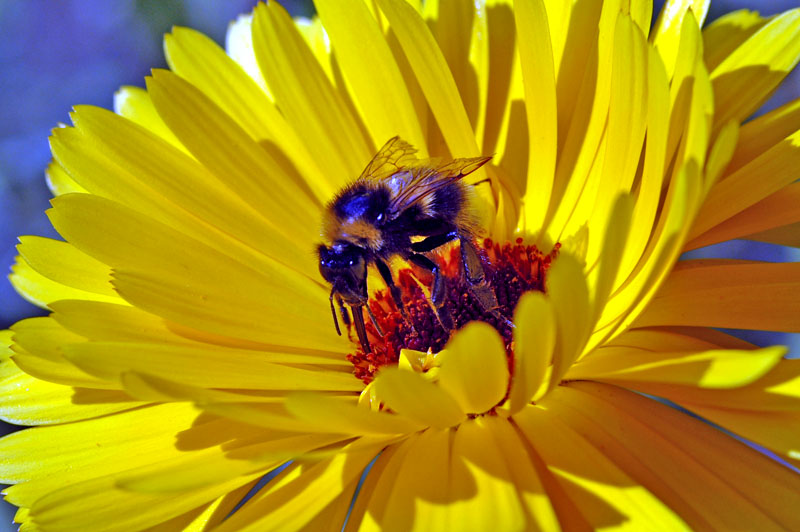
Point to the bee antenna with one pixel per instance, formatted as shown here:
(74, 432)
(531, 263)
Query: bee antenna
(374, 321)
(333, 313)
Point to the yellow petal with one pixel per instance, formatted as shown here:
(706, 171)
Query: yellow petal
(704, 369)
(611, 254)
(777, 210)
(539, 77)
(42, 291)
(103, 507)
(200, 287)
(721, 153)
(523, 469)
(688, 59)
(534, 340)
(661, 252)
(677, 339)
(641, 12)
(464, 49)
(644, 213)
(220, 368)
(64, 264)
(206, 516)
(746, 78)
(412, 485)
(787, 235)
(566, 286)
(667, 31)
(731, 482)
(239, 46)
(762, 133)
(625, 130)
(776, 431)
(410, 395)
(753, 182)
(435, 79)
(200, 61)
(232, 154)
(192, 471)
(347, 417)
(367, 63)
(584, 130)
(777, 391)
(110, 322)
(474, 370)
(59, 182)
(604, 493)
(26, 400)
(308, 100)
(87, 448)
(135, 104)
(42, 337)
(119, 160)
(481, 484)
(727, 33)
(300, 493)
(720, 293)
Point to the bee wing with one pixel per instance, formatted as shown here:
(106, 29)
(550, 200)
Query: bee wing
(424, 179)
(393, 157)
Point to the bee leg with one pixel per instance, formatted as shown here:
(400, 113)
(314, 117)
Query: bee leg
(361, 330)
(476, 277)
(386, 273)
(433, 242)
(333, 313)
(439, 290)
(374, 321)
(344, 313)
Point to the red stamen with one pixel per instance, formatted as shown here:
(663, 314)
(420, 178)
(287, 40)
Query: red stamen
(511, 270)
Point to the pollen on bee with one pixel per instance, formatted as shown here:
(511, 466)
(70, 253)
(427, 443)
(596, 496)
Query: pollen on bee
(511, 270)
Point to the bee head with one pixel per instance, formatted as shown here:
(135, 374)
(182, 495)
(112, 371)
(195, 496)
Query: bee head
(345, 267)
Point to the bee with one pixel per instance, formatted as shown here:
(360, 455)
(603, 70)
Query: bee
(399, 206)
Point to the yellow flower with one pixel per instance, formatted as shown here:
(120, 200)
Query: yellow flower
(190, 350)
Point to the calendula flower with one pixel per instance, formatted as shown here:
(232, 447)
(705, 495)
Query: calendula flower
(190, 351)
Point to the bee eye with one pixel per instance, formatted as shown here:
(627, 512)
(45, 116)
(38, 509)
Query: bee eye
(379, 218)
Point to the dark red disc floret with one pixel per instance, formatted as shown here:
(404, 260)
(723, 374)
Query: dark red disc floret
(511, 270)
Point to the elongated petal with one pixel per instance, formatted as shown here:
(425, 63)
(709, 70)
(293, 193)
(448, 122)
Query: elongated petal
(586, 474)
(197, 59)
(409, 394)
(220, 369)
(570, 297)
(777, 210)
(728, 294)
(733, 483)
(534, 340)
(756, 67)
(475, 369)
(308, 100)
(64, 264)
(46, 403)
(666, 33)
(703, 369)
(294, 499)
(435, 78)
(538, 72)
(366, 63)
(341, 416)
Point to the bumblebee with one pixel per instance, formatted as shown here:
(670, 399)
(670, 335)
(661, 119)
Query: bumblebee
(399, 206)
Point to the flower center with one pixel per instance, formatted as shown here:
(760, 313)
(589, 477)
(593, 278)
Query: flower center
(510, 269)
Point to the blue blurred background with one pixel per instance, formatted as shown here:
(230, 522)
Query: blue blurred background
(59, 53)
